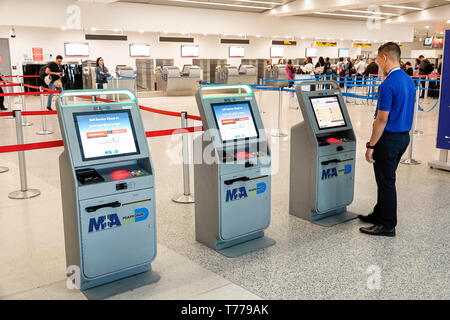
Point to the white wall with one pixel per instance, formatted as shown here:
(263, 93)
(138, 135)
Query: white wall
(52, 40)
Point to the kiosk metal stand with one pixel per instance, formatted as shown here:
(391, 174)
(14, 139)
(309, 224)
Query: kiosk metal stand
(232, 178)
(323, 156)
(107, 190)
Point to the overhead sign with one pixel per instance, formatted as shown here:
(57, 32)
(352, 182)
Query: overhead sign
(361, 45)
(38, 54)
(443, 134)
(325, 44)
(284, 42)
(139, 50)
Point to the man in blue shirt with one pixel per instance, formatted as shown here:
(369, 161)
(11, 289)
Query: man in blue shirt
(390, 138)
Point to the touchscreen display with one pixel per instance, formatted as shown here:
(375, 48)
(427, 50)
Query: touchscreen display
(328, 112)
(235, 121)
(105, 134)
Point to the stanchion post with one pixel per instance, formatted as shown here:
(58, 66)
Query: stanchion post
(186, 197)
(410, 160)
(416, 111)
(278, 133)
(24, 107)
(44, 130)
(9, 102)
(260, 104)
(24, 192)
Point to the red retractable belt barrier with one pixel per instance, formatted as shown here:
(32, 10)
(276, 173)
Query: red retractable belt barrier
(59, 143)
(26, 76)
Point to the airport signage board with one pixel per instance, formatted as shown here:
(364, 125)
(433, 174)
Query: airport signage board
(276, 52)
(325, 44)
(237, 52)
(443, 133)
(362, 45)
(139, 50)
(76, 49)
(189, 50)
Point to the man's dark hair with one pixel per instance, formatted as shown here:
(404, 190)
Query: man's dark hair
(391, 50)
(421, 56)
(408, 63)
(59, 57)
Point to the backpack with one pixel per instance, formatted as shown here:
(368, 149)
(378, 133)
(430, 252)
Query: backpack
(429, 68)
(42, 73)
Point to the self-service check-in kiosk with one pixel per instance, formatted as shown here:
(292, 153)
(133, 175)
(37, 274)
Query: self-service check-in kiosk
(107, 188)
(232, 178)
(323, 150)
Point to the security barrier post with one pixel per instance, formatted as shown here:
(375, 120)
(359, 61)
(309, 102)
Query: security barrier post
(416, 111)
(278, 133)
(410, 160)
(24, 107)
(44, 130)
(186, 197)
(24, 192)
(9, 102)
(260, 97)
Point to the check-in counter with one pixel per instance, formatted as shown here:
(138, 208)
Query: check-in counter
(174, 83)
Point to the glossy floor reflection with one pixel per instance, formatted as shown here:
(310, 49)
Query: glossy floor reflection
(307, 262)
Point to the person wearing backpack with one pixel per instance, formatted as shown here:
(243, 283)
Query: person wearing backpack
(55, 72)
(425, 68)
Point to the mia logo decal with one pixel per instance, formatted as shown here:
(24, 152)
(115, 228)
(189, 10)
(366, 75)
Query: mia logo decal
(241, 192)
(139, 215)
(334, 172)
(112, 220)
(104, 222)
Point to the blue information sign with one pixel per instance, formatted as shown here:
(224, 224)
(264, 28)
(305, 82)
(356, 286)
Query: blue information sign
(443, 134)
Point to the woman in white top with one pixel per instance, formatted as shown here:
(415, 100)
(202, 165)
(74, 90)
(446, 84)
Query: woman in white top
(308, 68)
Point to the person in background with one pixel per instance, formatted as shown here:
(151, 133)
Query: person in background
(350, 67)
(101, 74)
(389, 138)
(409, 69)
(290, 72)
(372, 68)
(2, 98)
(308, 68)
(54, 69)
(280, 61)
(360, 67)
(320, 66)
(424, 66)
(341, 69)
(320, 63)
(327, 68)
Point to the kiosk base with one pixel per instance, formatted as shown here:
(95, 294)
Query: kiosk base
(120, 286)
(336, 219)
(234, 251)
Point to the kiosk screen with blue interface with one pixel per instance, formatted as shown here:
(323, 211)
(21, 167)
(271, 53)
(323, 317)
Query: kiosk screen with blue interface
(328, 112)
(235, 120)
(105, 134)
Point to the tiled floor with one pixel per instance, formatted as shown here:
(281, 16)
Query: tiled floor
(308, 261)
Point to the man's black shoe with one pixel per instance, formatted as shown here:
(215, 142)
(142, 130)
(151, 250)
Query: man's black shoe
(3, 108)
(378, 230)
(49, 109)
(368, 219)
